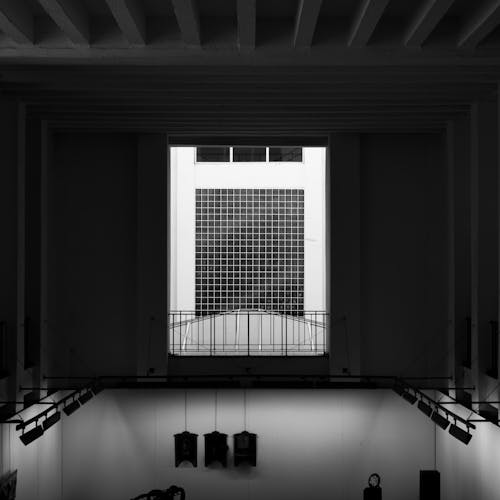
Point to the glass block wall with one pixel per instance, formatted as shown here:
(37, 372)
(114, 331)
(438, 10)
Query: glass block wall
(249, 250)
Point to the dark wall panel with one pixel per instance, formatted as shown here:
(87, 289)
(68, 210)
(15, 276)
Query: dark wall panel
(403, 249)
(92, 253)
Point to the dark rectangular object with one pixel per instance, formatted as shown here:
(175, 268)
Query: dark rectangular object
(212, 154)
(8, 485)
(72, 407)
(439, 420)
(85, 397)
(411, 398)
(464, 398)
(186, 448)
(425, 408)
(51, 420)
(489, 412)
(430, 487)
(216, 448)
(285, 154)
(249, 154)
(460, 434)
(30, 399)
(245, 448)
(31, 435)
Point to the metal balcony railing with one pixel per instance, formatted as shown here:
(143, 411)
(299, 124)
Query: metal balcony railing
(248, 333)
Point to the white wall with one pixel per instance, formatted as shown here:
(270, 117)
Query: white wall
(187, 175)
(470, 472)
(319, 444)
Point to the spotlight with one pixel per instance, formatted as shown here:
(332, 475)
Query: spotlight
(398, 389)
(460, 434)
(425, 408)
(439, 420)
(96, 389)
(31, 435)
(85, 397)
(52, 420)
(71, 408)
(411, 398)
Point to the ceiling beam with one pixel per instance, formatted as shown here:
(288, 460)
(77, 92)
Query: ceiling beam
(71, 17)
(246, 12)
(305, 23)
(129, 16)
(481, 26)
(425, 21)
(188, 18)
(16, 21)
(366, 21)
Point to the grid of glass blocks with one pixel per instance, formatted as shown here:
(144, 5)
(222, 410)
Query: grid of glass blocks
(249, 250)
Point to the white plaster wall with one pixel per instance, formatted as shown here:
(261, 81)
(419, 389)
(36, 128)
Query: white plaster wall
(470, 472)
(312, 444)
(187, 175)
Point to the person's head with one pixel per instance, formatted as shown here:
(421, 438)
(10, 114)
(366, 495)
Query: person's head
(374, 480)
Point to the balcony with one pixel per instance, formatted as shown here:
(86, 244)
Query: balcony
(248, 333)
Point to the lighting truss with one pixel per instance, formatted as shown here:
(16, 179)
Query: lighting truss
(69, 404)
(431, 409)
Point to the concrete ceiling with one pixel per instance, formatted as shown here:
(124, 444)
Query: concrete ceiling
(249, 66)
(298, 31)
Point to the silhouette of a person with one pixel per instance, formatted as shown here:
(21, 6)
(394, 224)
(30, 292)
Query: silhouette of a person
(374, 491)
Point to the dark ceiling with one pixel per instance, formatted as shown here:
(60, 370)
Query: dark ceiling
(249, 66)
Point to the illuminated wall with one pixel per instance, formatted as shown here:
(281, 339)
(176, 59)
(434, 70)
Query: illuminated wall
(470, 472)
(317, 444)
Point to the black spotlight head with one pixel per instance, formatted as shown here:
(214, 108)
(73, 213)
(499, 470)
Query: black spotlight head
(439, 420)
(52, 420)
(85, 397)
(31, 435)
(425, 408)
(97, 388)
(460, 434)
(398, 389)
(411, 398)
(72, 407)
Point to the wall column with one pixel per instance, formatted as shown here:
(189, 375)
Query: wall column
(343, 252)
(8, 247)
(152, 252)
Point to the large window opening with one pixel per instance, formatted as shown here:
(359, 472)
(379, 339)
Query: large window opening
(247, 251)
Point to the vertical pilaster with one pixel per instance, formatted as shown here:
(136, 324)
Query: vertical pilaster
(473, 376)
(8, 250)
(21, 241)
(450, 191)
(343, 252)
(46, 148)
(152, 254)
